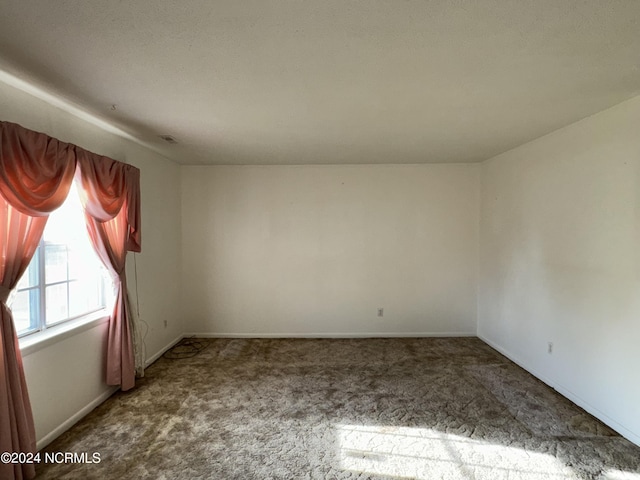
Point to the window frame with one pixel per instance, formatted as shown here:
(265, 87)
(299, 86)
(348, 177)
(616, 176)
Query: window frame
(37, 287)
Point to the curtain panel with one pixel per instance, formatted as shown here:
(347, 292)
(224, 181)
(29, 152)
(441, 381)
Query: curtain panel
(36, 172)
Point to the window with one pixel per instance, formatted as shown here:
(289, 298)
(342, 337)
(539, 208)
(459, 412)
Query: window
(65, 279)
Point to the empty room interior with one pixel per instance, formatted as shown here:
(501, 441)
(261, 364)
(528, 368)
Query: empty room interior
(366, 239)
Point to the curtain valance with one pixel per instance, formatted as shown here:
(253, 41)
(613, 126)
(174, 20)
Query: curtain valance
(36, 172)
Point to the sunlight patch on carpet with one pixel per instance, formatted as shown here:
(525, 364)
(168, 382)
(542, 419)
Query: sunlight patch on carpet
(620, 475)
(423, 453)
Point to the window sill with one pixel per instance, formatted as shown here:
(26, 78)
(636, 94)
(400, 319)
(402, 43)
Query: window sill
(37, 341)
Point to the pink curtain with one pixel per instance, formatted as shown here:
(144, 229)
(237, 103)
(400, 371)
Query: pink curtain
(35, 177)
(36, 172)
(112, 206)
(109, 186)
(19, 237)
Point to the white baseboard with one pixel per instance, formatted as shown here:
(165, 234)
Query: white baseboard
(331, 335)
(621, 429)
(155, 357)
(629, 435)
(75, 418)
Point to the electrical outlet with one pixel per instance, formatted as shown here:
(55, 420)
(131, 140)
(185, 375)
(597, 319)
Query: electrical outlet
(381, 312)
(550, 347)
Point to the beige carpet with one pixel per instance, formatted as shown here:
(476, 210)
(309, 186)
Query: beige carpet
(431, 408)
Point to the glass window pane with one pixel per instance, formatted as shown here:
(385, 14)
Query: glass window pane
(57, 308)
(84, 297)
(25, 311)
(55, 263)
(30, 276)
(84, 264)
(73, 279)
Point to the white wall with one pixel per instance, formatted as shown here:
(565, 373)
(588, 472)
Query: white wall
(560, 261)
(64, 379)
(315, 250)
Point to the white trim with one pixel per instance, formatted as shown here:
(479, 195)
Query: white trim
(331, 335)
(39, 340)
(75, 418)
(162, 351)
(621, 429)
(79, 112)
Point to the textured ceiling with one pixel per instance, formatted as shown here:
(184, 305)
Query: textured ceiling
(329, 81)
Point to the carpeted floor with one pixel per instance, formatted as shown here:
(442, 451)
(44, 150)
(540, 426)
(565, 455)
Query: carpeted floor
(424, 408)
